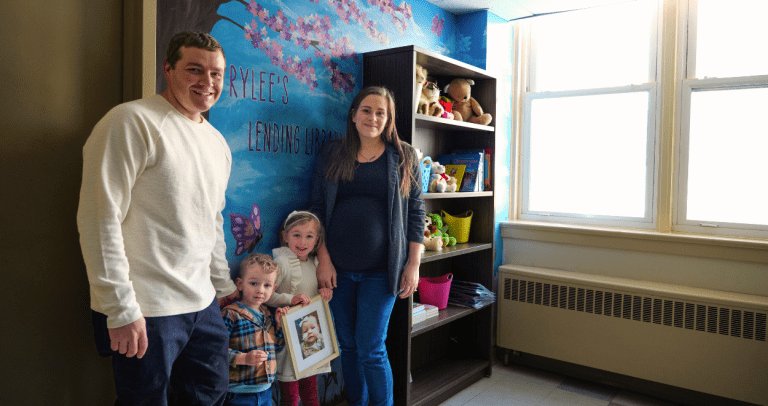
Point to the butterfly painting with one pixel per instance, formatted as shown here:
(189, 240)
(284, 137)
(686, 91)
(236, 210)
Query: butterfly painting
(247, 230)
(437, 25)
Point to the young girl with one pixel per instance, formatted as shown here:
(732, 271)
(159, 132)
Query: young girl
(300, 236)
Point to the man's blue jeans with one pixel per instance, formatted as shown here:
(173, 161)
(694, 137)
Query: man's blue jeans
(188, 354)
(362, 304)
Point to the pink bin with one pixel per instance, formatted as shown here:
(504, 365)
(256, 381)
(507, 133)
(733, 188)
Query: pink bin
(434, 290)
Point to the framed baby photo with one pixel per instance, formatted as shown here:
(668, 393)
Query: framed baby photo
(310, 336)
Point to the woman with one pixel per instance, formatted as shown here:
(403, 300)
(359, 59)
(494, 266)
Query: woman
(367, 191)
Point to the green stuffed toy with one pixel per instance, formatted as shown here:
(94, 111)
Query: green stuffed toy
(442, 231)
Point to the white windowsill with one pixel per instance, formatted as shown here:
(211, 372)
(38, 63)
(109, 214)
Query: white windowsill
(705, 246)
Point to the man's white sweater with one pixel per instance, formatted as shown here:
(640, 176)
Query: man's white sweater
(150, 222)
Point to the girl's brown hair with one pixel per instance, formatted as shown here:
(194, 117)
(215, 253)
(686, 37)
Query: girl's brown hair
(342, 164)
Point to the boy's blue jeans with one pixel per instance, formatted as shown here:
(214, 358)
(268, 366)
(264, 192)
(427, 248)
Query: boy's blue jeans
(362, 304)
(263, 398)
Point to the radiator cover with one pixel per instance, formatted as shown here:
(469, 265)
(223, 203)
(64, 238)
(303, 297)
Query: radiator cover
(704, 340)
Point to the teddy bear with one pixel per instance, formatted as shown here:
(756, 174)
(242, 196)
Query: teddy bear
(428, 103)
(430, 242)
(451, 184)
(465, 107)
(438, 179)
(418, 85)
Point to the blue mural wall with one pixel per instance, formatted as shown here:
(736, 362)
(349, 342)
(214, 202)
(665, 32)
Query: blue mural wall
(293, 68)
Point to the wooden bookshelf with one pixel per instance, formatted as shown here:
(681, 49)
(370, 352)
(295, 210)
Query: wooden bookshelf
(436, 358)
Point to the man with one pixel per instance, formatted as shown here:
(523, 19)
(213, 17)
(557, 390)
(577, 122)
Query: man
(151, 231)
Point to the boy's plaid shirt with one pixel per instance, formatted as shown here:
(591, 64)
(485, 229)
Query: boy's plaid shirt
(246, 334)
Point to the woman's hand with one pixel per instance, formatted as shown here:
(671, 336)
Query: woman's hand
(410, 279)
(326, 294)
(326, 273)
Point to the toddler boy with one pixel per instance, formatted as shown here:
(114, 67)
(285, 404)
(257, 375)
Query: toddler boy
(254, 334)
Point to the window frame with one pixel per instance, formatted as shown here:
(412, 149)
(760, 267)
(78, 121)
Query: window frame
(673, 60)
(687, 85)
(525, 40)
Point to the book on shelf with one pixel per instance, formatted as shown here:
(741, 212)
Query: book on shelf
(431, 311)
(418, 318)
(417, 308)
(473, 170)
(488, 169)
(426, 312)
(457, 171)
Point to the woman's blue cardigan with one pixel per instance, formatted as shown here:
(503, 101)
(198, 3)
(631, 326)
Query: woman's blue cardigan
(406, 214)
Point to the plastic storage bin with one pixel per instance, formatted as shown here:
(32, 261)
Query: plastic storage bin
(435, 290)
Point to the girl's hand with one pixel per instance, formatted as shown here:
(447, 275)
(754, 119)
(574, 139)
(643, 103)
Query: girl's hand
(302, 299)
(326, 294)
(410, 279)
(254, 357)
(279, 313)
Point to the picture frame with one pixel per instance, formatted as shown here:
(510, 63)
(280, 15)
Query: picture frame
(310, 336)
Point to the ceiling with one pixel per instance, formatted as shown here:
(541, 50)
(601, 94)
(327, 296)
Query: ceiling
(515, 9)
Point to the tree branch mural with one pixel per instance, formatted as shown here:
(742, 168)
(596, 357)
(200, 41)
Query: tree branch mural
(313, 31)
(272, 31)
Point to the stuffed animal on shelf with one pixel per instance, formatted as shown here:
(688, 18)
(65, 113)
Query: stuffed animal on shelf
(438, 182)
(447, 107)
(451, 184)
(418, 85)
(437, 229)
(431, 243)
(465, 107)
(428, 103)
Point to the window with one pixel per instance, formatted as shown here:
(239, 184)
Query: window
(723, 165)
(591, 103)
(590, 117)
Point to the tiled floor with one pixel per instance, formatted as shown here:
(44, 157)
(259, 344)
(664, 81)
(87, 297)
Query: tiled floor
(520, 386)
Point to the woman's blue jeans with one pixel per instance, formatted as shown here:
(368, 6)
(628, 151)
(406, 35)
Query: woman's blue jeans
(362, 304)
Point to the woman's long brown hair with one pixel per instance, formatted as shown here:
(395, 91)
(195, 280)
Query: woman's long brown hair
(342, 163)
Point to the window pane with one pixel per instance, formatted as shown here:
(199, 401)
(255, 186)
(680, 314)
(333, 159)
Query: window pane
(601, 47)
(588, 155)
(731, 38)
(728, 156)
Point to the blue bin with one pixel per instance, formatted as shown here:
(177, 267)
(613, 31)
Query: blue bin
(426, 171)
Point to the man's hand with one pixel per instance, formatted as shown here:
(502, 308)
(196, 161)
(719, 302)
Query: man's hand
(130, 339)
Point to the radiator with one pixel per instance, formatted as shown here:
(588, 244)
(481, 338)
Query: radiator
(703, 340)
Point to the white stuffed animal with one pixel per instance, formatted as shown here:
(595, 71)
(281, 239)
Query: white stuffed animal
(438, 182)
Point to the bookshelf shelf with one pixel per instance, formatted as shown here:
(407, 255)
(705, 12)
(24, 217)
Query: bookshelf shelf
(445, 316)
(458, 249)
(456, 195)
(439, 123)
(425, 366)
(439, 381)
